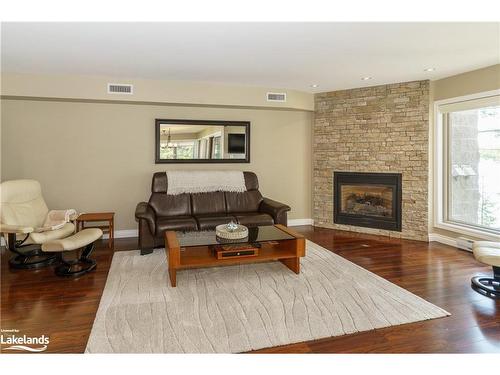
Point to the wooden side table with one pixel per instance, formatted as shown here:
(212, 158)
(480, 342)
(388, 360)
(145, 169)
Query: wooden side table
(98, 217)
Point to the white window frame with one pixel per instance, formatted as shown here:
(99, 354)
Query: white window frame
(441, 174)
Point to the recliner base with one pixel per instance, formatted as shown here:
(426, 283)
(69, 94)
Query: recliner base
(66, 269)
(76, 267)
(488, 286)
(32, 260)
(27, 256)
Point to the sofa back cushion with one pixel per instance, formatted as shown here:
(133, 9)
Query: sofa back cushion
(251, 181)
(204, 203)
(208, 203)
(170, 205)
(248, 201)
(159, 183)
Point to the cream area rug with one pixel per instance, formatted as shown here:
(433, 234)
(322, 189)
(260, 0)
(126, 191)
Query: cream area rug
(245, 307)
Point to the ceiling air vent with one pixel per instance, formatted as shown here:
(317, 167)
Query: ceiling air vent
(276, 97)
(118, 88)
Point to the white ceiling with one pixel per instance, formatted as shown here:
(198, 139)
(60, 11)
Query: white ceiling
(278, 55)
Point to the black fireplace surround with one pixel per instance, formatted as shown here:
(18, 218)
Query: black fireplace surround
(370, 200)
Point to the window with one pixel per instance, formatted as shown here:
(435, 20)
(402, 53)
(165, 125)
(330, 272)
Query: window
(216, 151)
(470, 148)
(177, 150)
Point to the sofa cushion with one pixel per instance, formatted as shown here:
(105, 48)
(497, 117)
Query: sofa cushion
(170, 205)
(248, 201)
(159, 183)
(206, 222)
(253, 219)
(208, 203)
(175, 223)
(251, 181)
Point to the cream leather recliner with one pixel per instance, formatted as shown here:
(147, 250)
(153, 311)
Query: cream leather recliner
(23, 214)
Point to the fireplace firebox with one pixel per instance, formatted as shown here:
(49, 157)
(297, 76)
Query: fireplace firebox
(370, 200)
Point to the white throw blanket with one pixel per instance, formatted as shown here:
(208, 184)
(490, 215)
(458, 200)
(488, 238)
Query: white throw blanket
(180, 182)
(56, 219)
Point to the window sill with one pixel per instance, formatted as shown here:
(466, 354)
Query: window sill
(467, 231)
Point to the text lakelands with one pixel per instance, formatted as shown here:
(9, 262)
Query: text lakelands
(21, 340)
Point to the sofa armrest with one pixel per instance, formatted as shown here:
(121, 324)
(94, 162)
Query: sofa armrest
(143, 211)
(276, 209)
(16, 229)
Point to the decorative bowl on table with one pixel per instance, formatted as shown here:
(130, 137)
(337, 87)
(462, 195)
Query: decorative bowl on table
(231, 231)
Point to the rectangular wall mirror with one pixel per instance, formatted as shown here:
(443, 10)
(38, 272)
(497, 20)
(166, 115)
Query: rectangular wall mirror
(199, 141)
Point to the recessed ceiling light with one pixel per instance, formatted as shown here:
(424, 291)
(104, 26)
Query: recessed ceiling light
(314, 86)
(429, 69)
(366, 78)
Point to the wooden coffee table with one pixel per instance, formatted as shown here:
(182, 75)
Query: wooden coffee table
(195, 249)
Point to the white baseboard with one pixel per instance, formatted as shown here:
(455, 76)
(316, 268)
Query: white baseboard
(118, 234)
(126, 233)
(435, 237)
(297, 222)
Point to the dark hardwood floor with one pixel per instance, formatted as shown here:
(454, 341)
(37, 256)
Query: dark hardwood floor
(38, 302)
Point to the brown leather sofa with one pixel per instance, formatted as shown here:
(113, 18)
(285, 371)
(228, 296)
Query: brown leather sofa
(202, 211)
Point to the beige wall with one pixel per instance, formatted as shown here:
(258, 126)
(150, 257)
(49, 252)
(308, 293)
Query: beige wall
(152, 91)
(480, 80)
(100, 156)
(476, 81)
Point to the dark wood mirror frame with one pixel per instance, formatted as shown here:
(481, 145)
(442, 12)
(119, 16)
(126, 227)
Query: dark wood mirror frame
(159, 122)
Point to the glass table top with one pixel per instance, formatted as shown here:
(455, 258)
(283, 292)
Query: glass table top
(256, 234)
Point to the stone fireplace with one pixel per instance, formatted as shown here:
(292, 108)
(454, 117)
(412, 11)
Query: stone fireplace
(371, 200)
(374, 130)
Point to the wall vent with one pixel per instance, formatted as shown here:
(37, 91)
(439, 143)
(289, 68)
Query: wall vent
(276, 97)
(119, 88)
(465, 243)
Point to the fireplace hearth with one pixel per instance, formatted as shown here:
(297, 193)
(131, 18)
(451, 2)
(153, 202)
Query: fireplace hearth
(370, 200)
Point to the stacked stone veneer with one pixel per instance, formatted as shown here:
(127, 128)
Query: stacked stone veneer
(374, 129)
